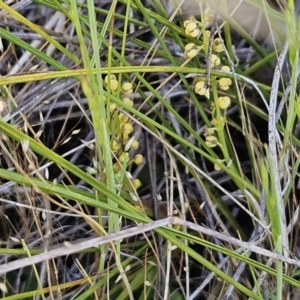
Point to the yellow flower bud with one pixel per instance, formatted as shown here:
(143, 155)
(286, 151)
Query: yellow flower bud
(189, 20)
(191, 50)
(211, 141)
(214, 60)
(223, 102)
(200, 84)
(104, 99)
(122, 157)
(135, 144)
(201, 89)
(127, 88)
(128, 128)
(218, 45)
(128, 101)
(214, 121)
(186, 22)
(107, 79)
(136, 183)
(192, 29)
(117, 167)
(225, 69)
(125, 137)
(216, 166)
(138, 159)
(123, 118)
(116, 146)
(114, 84)
(224, 83)
(112, 107)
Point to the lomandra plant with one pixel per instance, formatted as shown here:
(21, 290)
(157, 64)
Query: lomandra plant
(144, 156)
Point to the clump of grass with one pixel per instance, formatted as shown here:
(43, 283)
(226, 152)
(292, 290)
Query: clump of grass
(178, 129)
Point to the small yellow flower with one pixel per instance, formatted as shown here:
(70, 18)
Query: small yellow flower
(112, 107)
(125, 137)
(127, 88)
(199, 85)
(214, 60)
(117, 167)
(135, 144)
(211, 141)
(191, 50)
(223, 102)
(136, 183)
(116, 146)
(123, 118)
(201, 89)
(225, 69)
(186, 22)
(107, 78)
(123, 157)
(128, 101)
(189, 20)
(138, 159)
(225, 83)
(128, 128)
(218, 45)
(112, 82)
(192, 29)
